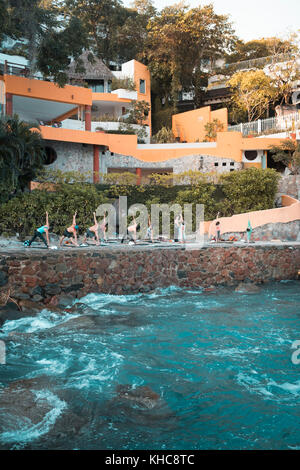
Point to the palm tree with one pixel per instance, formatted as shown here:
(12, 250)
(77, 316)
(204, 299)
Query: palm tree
(22, 153)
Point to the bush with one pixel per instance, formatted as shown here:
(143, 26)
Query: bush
(241, 191)
(24, 213)
(248, 190)
(125, 83)
(164, 136)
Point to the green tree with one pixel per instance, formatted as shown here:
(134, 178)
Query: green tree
(22, 154)
(139, 112)
(49, 42)
(287, 152)
(259, 48)
(101, 20)
(248, 190)
(4, 19)
(252, 91)
(181, 41)
(132, 35)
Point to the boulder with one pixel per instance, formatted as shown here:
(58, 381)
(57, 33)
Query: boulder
(247, 288)
(142, 395)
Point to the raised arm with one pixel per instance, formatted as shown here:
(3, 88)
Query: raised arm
(95, 218)
(74, 218)
(47, 219)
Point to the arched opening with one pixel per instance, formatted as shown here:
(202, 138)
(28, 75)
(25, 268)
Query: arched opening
(51, 155)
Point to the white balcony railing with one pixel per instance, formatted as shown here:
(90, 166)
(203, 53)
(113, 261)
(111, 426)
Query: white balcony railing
(261, 126)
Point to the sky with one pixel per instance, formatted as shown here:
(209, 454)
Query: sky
(252, 19)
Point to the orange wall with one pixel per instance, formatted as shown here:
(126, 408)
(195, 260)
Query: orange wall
(228, 145)
(189, 126)
(222, 115)
(40, 89)
(239, 222)
(141, 72)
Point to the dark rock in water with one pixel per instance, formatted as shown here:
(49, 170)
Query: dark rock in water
(32, 308)
(25, 403)
(143, 395)
(12, 312)
(65, 300)
(84, 322)
(79, 307)
(247, 288)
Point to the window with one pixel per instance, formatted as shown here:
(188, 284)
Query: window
(97, 86)
(250, 154)
(224, 163)
(231, 163)
(216, 164)
(142, 86)
(109, 86)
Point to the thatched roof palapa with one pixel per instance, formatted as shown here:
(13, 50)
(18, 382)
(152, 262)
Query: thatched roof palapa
(93, 71)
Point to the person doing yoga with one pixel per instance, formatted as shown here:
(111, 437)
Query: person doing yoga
(70, 232)
(92, 232)
(39, 233)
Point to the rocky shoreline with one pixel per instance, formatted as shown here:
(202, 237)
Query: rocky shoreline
(56, 278)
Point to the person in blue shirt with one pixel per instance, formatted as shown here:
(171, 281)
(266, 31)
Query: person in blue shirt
(39, 233)
(70, 233)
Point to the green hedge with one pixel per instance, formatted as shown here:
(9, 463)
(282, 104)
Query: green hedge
(26, 212)
(238, 192)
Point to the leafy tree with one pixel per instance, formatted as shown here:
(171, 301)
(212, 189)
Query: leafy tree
(259, 48)
(22, 153)
(132, 35)
(138, 113)
(101, 20)
(287, 152)
(212, 128)
(48, 41)
(181, 40)
(4, 19)
(253, 91)
(248, 190)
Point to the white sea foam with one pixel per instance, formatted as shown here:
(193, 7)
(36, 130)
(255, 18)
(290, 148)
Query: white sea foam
(28, 431)
(253, 385)
(288, 387)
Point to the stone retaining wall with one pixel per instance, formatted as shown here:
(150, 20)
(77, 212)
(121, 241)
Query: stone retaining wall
(289, 231)
(47, 276)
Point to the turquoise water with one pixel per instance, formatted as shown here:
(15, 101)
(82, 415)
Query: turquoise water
(201, 371)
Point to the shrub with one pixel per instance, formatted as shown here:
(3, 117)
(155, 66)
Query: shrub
(164, 136)
(124, 83)
(26, 212)
(248, 190)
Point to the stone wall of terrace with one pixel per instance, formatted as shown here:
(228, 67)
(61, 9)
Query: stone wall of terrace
(49, 276)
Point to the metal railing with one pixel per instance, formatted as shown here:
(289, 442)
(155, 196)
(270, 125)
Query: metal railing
(13, 68)
(266, 126)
